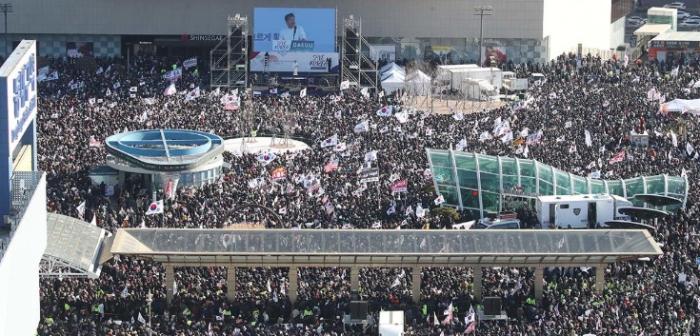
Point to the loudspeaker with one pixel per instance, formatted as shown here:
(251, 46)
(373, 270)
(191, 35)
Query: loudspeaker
(492, 305)
(359, 310)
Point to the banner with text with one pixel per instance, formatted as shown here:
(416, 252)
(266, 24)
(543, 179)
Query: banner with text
(295, 62)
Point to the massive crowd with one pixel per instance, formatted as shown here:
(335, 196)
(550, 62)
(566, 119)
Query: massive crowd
(607, 98)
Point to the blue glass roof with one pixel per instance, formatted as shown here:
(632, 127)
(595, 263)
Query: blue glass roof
(169, 149)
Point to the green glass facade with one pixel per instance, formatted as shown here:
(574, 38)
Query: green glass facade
(477, 182)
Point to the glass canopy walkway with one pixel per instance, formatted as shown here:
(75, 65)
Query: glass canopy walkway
(412, 249)
(478, 182)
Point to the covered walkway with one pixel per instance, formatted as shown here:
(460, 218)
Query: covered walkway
(354, 249)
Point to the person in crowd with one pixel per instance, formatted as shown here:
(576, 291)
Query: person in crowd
(608, 98)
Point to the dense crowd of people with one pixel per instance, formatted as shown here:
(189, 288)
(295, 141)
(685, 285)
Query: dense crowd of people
(92, 99)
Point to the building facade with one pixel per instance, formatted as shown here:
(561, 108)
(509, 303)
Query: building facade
(535, 30)
(22, 195)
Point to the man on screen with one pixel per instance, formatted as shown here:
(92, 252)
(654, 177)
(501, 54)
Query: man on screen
(292, 32)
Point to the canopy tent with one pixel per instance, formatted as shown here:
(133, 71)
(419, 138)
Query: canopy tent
(418, 83)
(392, 67)
(392, 73)
(682, 106)
(392, 83)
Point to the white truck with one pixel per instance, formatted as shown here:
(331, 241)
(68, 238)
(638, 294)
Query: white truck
(579, 211)
(513, 84)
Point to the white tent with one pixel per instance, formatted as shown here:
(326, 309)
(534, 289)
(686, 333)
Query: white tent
(418, 83)
(682, 106)
(390, 74)
(392, 83)
(392, 67)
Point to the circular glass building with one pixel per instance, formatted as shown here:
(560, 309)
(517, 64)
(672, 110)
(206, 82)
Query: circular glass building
(166, 157)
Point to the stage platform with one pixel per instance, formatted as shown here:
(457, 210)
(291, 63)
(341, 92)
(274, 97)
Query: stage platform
(448, 106)
(238, 146)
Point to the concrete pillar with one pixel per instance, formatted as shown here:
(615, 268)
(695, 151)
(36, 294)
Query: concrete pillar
(478, 275)
(539, 283)
(169, 281)
(231, 282)
(355, 279)
(600, 278)
(416, 274)
(293, 284)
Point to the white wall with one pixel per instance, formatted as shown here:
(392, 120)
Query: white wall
(570, 22)
(19, 270)
(617, 32)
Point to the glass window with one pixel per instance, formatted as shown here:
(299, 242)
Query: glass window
(580, 185)
(490, 182)
(488, 165)
(508, 166)
(562, 179)
(527, 168)
(470, 198)
(443, 175)
(465, 161)
(467, 179)
(634, 186)
(491, 201)
(597, 187)
(563, 191)
(509, 183)
(529, 185)
(563, 182)
(545, 172)
(546, 188)
(615, 188)
(450, 195)
(441, 159)
(655, 185)
(676, 185)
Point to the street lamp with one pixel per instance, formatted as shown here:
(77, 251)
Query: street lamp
(481, 11)
(6, 8)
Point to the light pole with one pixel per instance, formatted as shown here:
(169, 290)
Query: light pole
(6, 8)
(481, 11)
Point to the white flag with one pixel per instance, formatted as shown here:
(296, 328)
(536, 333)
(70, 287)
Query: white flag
(439, 200)
(385, 111)
(674, 139)
(689, 148)
(141, 319)
(170, 90)
(365, 92)
(302, 93)
(133, 89)
(461, 145)
(266, 158)
(459, 116)
(402, 117)
(194, 94)
(81, 210)
(330, 142)
(589, 141)
(485, 135)
(371, 156)
(344, 85)
(155, 208)
(420, 213)
(362, 127)
(189, 63)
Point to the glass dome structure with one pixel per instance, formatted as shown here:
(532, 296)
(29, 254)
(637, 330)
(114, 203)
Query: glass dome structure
(478, 182)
